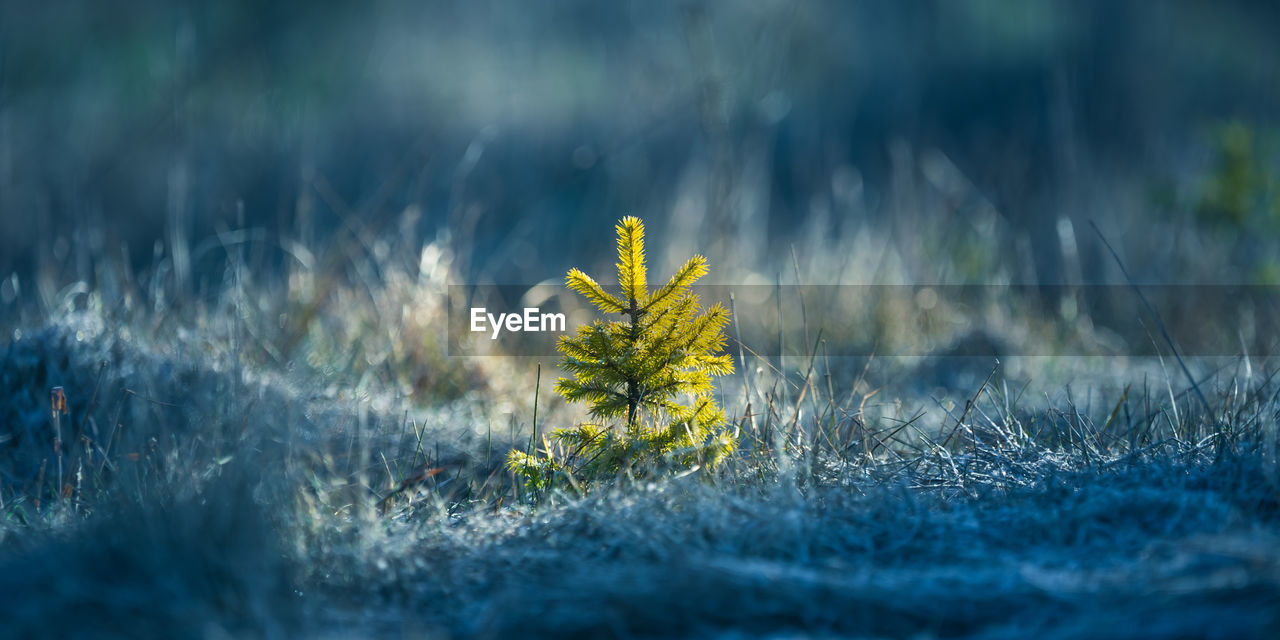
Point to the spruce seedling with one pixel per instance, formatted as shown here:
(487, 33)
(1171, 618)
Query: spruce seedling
(653, 369)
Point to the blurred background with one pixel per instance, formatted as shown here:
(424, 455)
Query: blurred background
(237, 239)
(823, 142)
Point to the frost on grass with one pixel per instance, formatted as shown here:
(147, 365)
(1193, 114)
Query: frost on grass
(1160, 546)
(259, 504)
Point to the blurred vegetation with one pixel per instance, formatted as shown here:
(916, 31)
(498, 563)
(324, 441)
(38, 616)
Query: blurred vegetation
(1243, 187)
(1240, 199)
(131, 134)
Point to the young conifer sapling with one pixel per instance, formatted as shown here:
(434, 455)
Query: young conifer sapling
(653, 369)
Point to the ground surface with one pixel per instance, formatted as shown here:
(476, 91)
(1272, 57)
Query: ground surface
(239, 508)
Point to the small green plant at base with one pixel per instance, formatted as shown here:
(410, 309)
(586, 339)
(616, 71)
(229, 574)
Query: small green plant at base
(654, 369)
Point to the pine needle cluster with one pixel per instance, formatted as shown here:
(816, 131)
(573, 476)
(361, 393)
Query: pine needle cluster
(653, 369)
